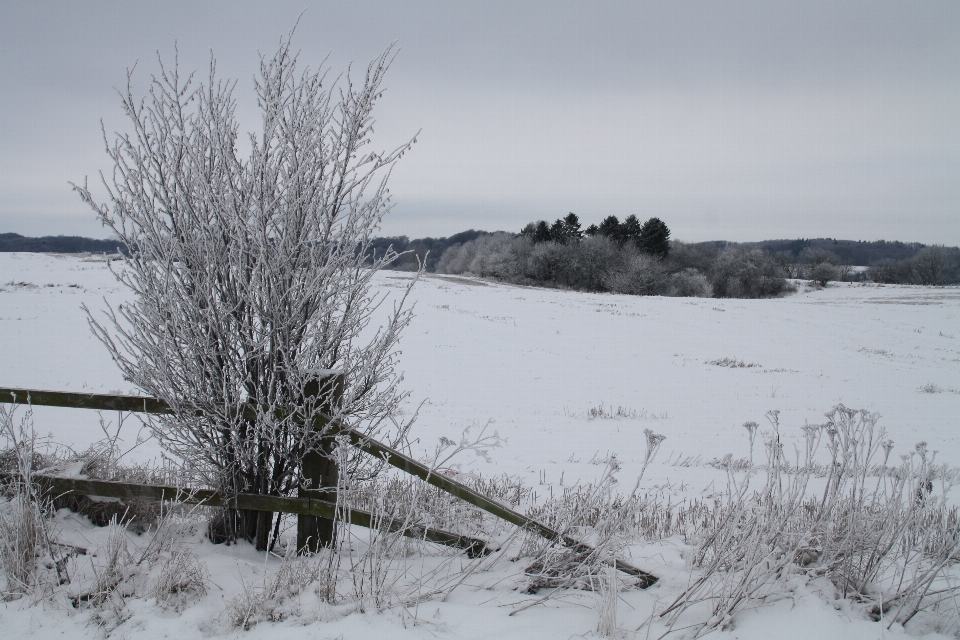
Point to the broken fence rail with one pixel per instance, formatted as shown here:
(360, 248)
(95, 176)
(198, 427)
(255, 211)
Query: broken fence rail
(142, 404)
(58, 485)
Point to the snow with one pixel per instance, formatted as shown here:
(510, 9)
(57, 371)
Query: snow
(533, 363)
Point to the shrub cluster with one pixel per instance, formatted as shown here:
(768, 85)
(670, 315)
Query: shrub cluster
(875, 532)
(933, 265)
(618, 257)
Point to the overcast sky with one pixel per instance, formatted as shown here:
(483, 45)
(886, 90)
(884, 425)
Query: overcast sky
(728, 120)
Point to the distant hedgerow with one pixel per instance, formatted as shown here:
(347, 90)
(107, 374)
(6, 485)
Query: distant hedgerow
(616, 257)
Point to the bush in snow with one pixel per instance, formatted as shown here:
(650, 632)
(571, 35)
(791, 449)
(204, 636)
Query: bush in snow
(501, 256)
(929, 265)
(689, 283)
(591, 262)
(741, 272)
(824, 273)
(888, 271)
(547, 262)
(641, 274)
(249, 275)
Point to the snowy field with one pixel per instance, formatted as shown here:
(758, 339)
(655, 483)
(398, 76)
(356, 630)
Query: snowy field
(538, 365)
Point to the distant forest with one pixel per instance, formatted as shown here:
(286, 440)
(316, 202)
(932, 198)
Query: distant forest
(850, 252)
(889, 262)
(57, 244)
(638, 258)
(469, 252)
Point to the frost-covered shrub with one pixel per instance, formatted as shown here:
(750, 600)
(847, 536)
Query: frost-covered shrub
(25, 542)
(824, 273)
(498, 255)
(181, 576)
(641, 274)
(928, 266)
(547, 261)
(277, 596)
(21, 521)
(689, 283)
(446, 263)
(888, 271)
(456, 259)
(931, 266)
(741, 272)
(251, 274)
(501, 256)
(591, 261)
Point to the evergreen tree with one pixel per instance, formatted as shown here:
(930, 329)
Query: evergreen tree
(610, 227)
(537, 231)
(558, 232)
(571, 225)
(630, 230)
(542, 233)
(655, 238)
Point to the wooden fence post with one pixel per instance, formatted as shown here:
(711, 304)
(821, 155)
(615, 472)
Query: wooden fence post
(319, 470)
(363, 442)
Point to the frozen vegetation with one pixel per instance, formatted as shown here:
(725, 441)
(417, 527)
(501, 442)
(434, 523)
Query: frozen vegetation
(686, 435)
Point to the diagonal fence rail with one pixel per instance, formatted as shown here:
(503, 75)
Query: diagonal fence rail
(137, 404)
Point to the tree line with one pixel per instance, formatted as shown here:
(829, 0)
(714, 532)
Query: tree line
(819, 259)
(853, 252)
(618, 257)
(652, 237)
(58, 244)
(634, 258)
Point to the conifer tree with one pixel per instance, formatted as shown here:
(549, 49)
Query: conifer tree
(541, 233)
(630, 229)
(610, 227)
(571, 227)
(558, 232)
(655, 238)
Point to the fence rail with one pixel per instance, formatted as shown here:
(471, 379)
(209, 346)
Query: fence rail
(363, 442)
(58, 486)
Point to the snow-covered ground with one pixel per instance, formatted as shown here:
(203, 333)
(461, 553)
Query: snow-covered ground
(534, 363)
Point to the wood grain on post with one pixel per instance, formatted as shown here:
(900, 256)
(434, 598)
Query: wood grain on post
(319, 471)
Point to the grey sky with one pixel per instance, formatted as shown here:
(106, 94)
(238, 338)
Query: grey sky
(729, 120)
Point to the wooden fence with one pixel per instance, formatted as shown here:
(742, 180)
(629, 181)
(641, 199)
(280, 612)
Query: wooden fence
(137, 404)
(55, 485)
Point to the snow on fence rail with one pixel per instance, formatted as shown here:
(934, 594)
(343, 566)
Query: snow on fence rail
(142, 404)
(57, 485)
